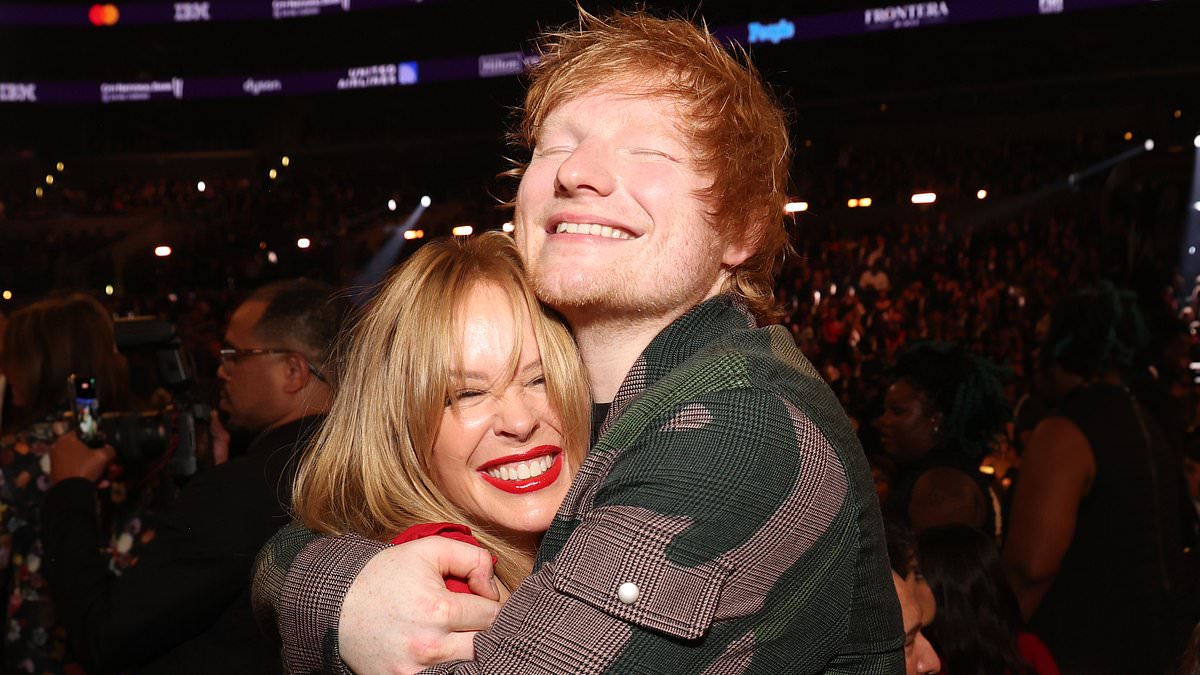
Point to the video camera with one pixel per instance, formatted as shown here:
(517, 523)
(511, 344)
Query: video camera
(169, 432)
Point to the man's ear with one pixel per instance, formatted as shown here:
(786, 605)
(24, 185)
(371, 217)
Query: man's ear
(297, 375)
(736, 253)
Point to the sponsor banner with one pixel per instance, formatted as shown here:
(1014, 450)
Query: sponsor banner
(367, 77)
(906, 16)
(408, 73)
(18, 92)
(186, 12)
(114, 92)
(501, 65)
(255, 87)
(291, 9)
(1050, 6)
(773, 33)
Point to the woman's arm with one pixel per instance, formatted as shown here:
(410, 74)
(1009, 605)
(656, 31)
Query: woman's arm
(1056, 474)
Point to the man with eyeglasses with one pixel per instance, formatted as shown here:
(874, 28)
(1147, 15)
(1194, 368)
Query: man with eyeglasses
(184, 608)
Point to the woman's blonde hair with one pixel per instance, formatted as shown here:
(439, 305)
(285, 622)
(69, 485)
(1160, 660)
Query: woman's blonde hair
(368, 470)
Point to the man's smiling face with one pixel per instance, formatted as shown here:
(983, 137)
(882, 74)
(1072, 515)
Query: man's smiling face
(610, 214)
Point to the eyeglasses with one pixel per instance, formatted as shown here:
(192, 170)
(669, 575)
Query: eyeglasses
(229, 356)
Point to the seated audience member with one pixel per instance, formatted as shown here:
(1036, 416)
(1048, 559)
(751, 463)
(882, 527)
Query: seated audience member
(916, 599)
(185, 606)
(941, 411)
(1093, 549)
(43, 344)
(978, 624)
(463, 403)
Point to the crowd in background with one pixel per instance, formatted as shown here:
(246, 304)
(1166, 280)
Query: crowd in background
(861, 288)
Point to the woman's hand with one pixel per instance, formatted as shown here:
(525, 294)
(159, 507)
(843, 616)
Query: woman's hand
(70, 458)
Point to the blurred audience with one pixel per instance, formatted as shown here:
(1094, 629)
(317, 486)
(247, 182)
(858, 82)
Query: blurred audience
(941, 413)
(185, 606)
(978, 628)
(1093, 549)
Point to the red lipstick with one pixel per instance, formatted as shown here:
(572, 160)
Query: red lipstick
(524, 485)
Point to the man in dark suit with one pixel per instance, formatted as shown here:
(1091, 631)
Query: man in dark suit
(185, 606)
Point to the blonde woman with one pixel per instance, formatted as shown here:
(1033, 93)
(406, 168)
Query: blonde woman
(462, 401)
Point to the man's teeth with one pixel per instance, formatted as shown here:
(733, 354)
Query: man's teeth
(592, 229)
(522, 470)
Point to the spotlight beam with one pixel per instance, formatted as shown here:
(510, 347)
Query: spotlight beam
(366, 283)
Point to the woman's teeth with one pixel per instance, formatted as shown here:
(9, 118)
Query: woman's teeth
(522, 470)
(592, 229)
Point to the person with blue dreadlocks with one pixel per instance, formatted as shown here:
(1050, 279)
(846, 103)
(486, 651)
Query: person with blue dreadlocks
(1093, 548)
(944, 407)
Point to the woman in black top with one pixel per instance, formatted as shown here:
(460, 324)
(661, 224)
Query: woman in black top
(1093, 550)
(942, 410)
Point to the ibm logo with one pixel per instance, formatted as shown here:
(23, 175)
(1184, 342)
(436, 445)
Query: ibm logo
(192, 11)
(18, 92)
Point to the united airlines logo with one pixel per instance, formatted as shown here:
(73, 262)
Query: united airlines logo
(192, 11)
(906, 16)
(18, 92)
(256, 87)
(384, 75)
(771, 32)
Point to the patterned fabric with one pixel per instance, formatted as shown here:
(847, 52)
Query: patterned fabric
(727, 498)
(34, 642)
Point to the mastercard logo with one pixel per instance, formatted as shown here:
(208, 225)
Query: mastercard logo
(104, 15)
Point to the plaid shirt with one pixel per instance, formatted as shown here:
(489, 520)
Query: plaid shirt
(725, 522)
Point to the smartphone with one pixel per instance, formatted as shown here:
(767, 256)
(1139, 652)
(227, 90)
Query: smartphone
(85, 407)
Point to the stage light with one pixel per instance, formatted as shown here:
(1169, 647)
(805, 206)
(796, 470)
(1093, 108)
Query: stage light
(109, 290)
(833, 289)
(864, 202)
(285, 160)
(1129, 135)
(38, 192)
(162, 251)
(272, 174)
(795, 207)
(1149, 144)
(1178, 113)
(303, 242)
(7, 295)
(262, 245)
(981, 194)
(924, 198)
(462, 231)
(414, 234)
(852, 203)
(1196, 206)
(60, 166)
(1196, 141)
(507, 227)
(391, 205)
(272, 258)
(171, 297)
(1191, 250)
(201, 186)
(426, 201)
(49, 179)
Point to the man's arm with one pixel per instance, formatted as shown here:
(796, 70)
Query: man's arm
(726, 521)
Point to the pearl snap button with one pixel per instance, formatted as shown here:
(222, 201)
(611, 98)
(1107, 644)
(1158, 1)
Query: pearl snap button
(628, 593)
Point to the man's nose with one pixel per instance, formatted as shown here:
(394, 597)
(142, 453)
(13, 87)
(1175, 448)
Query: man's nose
(925, 656)
(222, 373)
(588, 169)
